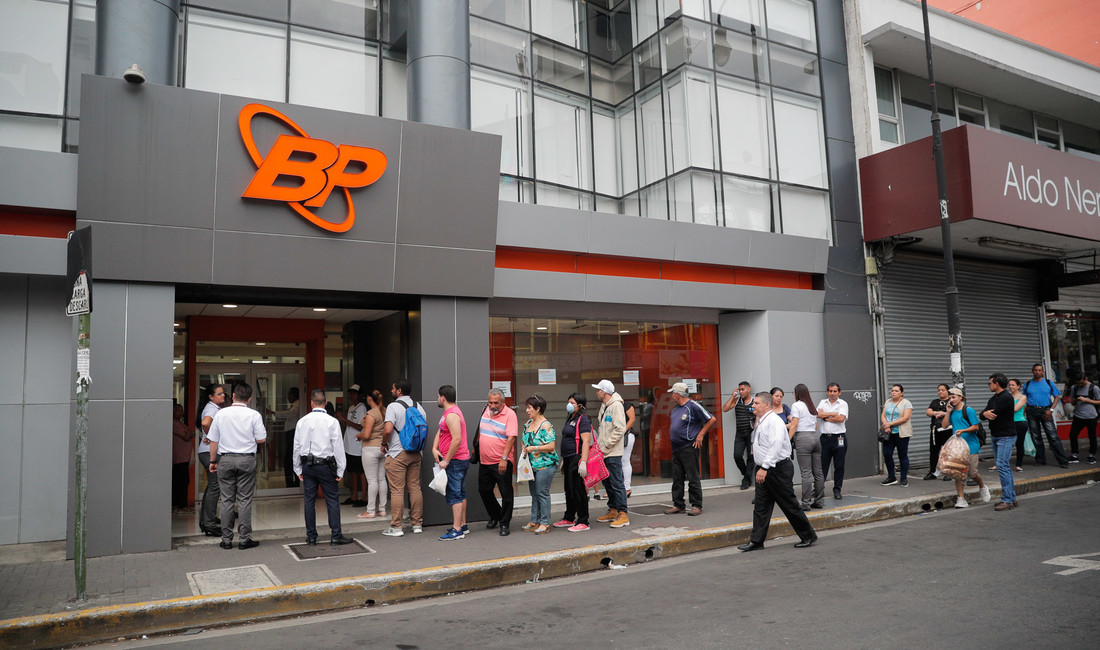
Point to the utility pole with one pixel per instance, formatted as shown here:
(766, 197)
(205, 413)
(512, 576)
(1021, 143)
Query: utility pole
(951, 292)
(79, 276)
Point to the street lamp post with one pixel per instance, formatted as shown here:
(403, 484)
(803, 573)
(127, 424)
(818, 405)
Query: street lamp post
(951, 292)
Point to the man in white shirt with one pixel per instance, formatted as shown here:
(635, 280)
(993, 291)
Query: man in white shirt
(402, 467)
(832, 412)
(319, 459)
(771, 450)
(233, 435)
(353, 448)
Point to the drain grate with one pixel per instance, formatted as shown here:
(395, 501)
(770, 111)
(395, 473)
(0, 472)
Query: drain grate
(323, 549)
(650, 510)
(231, 579)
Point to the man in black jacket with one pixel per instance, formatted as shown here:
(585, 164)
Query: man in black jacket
(999, 412)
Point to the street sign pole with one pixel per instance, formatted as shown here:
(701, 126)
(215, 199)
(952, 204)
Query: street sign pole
(79, 275)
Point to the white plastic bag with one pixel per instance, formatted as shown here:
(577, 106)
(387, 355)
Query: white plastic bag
(439, 482)
(523, 469)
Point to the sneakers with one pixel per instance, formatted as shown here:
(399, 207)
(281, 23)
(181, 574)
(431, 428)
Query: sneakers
(621, 520)
(579, 528)
(985, 495)
(889, 481)
(452, 534)
(465, 529)
(1091, 460)
(610, 515)
(961, 503)
(1073, 458)
(393, 532)
(930, 476)
(597, 496)
(904, 482)
(564, 523)
(417, 530)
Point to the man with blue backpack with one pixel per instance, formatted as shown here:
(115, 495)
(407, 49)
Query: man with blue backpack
(406, 419)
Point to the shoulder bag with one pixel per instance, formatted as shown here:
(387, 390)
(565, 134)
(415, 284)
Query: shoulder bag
(597, 468)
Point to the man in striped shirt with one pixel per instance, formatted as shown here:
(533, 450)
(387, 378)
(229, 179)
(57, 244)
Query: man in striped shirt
(741, 403)
(496, 440)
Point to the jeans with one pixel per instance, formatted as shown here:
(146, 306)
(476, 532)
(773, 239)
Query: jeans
(742, 456)
(456, 481)
(211, 496)
(237, 482)
(1037, 424)
(374, 467)
(1002, 447)
(540, 494)
(902, 445)
(685, 464)
(834, 447)
(1075, 431)
(403, 472)
(576, 494)
(807, 445)
(325, 476)
(488, 477)
(616, 493)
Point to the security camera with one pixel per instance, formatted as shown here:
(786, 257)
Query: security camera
(134, 74)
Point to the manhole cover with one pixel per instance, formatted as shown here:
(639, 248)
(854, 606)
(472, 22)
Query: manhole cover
(304, 551)
(650, 510)
(231, 579)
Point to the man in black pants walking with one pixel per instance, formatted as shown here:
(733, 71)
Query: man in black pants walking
(741, 403)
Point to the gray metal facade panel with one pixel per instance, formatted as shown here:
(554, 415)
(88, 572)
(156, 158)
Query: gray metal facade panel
(443, 271)
(47, 379)
(843, 183)
(13, 338)
(44, 493)
(151, 253)
(521, 224)
(1000, 330)
(149, 340)
(521, 283)
(146, 154)
(606, 288)
(146, 488)
(472, 330)
(38, 179)
(774, 251)
(11, 470)
(704, 294)
(108, 341)
(710, 245)
(838, 100)
(106, 445)
(830, 31)
(32, 255)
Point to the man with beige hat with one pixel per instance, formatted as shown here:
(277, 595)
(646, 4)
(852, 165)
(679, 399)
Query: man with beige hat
(610, 433)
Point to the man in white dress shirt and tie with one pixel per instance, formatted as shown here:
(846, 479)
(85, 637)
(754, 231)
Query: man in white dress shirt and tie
(319, 459)
(771, 449)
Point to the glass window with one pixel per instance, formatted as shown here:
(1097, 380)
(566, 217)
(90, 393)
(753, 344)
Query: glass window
(628, 146)
(743, 15)
(799, 140)
(1048, 131)
(267, 10)
(500, 47)
(612, 82)
(792, 22)
(33, 37)
(741, 55)
(1011, 120)
(693, 198)
(744, 129)
(686, 42)
(645, 19)
(24, 132)
(653, 201)
(805, 212)
(679, 190)
(81, 50)
(1081, 140)
(561, 66)
(696, 8)
(605, 151)
(748, 204)
(971, 109)
(651, 137)
(887, 106)
(561, 197)
(610, 36)
(560, 20)
(335, 72)
(351, 17)
(691, 124)
(394, 96)
(916, 107)
(509, 12)
(502, 105)
(795, 70)
(562, 139)
(647, 63)
(257, 50)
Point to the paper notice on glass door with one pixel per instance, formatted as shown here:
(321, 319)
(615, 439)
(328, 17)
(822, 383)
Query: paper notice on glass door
(693, 385)
(631, 378)
(503, 386)
(548, 376)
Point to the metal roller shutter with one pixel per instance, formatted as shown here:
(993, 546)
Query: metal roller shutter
(1000, 331)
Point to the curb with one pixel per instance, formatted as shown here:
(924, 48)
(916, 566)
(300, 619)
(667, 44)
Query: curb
(160, 617)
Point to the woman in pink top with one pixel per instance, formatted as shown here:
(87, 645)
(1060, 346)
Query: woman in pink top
(450, 451)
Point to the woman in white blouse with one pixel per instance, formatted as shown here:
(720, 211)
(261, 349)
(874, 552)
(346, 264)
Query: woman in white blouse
(807, 445)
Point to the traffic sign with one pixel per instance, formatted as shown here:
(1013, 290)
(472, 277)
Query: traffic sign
(79, 271)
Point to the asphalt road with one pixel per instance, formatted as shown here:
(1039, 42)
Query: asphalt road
(968, 578)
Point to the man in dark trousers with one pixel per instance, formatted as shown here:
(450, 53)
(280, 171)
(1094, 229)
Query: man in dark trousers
(319, 460)
(998, 412)
(690, 423)
(741, 403)
(771, 449)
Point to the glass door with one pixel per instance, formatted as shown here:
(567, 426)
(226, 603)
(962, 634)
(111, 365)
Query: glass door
(277, 391)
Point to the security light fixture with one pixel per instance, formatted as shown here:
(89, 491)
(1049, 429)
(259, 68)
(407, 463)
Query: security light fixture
(134, 74)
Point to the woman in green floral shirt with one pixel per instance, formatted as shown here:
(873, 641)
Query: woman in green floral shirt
(539, 442)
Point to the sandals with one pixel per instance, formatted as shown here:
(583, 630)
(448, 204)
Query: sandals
(530, 526)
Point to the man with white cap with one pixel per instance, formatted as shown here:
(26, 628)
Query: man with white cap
(689, 425)
(612, 429)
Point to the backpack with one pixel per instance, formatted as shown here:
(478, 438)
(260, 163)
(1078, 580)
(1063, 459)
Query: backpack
(1053, 390)
(981, 428)
(415, 432)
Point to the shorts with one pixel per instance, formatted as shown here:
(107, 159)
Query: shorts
(456, 481)
(973, 471)
(355, 465)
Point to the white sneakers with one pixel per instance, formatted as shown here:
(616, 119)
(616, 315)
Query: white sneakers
(417, 530)
(985, 495)
(961, 503)
(393, 532)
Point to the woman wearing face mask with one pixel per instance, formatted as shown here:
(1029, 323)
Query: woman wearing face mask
(539, 442)
(576, 438)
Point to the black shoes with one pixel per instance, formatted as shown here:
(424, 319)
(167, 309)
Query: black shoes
(210, 532)
(930, 476)
(744, 548)
(806, 543)
(745, 484)
(340, 541)
(889, 480)
(347, 502)
(836, 494)
(492, 523)
(805, 508)
(359, 504)
(817, 505)
(504, 532)
(311, 541)
(226, 545)
(246, 544)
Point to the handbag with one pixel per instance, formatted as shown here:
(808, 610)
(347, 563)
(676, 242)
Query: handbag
(597, 468)
(884, 435)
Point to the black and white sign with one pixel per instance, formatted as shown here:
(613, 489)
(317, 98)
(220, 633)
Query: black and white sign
(79, 272)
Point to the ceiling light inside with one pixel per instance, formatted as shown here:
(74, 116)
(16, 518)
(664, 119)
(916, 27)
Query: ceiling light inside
(230, 306)
(319, 309)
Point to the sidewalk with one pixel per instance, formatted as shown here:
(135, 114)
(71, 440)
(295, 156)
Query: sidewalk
(153, 592)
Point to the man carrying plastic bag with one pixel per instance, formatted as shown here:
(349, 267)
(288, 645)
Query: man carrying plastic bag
(959, 455)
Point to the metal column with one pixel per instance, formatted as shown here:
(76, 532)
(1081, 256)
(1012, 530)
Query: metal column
(144, 32)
